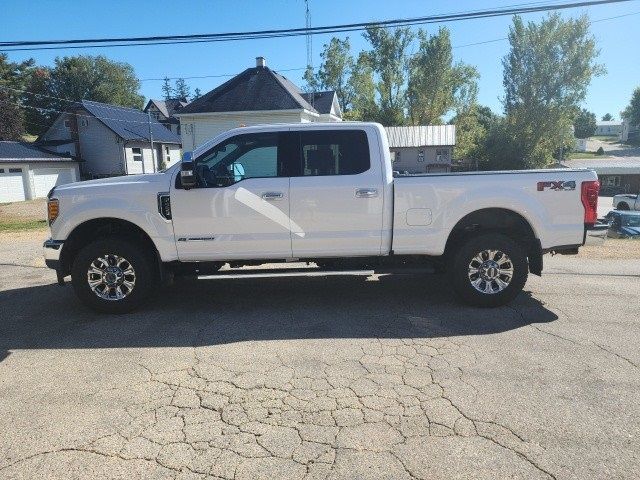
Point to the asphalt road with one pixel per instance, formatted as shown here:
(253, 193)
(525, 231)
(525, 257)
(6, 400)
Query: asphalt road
(322, 378)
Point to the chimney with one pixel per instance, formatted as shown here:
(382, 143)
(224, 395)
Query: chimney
(261, 62)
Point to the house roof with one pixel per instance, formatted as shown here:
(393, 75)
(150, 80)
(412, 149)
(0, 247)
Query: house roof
(608, 166)
(28, 152)
(255, 89)
(129, 123)
(609, 123)
(321, 101)
(167, 107)
(421, 136)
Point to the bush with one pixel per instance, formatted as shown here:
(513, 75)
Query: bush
(600, 151)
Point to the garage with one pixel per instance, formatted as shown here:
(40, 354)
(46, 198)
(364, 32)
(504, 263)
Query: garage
(11, 185)
(28, 171)
(44, 179)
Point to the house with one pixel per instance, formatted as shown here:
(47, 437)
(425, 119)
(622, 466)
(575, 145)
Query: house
(109, 140)
(629, 132)
(422, 148)
(28, 171)
(608, 127)
(258, 95)
(163, 110)
(616, 175)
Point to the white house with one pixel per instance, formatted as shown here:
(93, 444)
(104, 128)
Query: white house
(422, 148)
(256, 96)
(608, 127)
(110, 140)
(28, 171)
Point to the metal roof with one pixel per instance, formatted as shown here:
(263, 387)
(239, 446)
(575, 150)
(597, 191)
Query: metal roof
(609, 123)
(421, 136)
(608, 166)
(28, 152)
(130, 123)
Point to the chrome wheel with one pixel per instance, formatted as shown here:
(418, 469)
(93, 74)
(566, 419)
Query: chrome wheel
(490, 271)
(111, 277)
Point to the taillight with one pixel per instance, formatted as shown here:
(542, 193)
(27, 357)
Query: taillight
(589, 198)
(53, 209)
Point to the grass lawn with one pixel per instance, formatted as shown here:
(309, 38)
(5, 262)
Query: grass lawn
(21, 225)
(577, 155)
(605, 138)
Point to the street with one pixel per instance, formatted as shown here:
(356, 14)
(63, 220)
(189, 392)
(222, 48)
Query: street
(338, 377)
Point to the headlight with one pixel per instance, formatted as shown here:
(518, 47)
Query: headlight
(53, 209)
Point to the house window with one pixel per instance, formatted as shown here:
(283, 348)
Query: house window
(611, 181)
(442, 154)
(84, 122)
(166, 153)
(15, 170)
(178, 130)
(67, 124)
(1, 170)
(421, 156)
(137, 154)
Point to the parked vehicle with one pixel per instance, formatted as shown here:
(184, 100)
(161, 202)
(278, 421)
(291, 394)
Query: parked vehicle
(623, 224)
(626, 202)
(320, 193)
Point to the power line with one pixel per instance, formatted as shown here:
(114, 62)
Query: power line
(216, 76)
(289, 32)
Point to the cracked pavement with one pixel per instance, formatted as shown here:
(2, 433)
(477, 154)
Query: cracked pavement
(322, 378)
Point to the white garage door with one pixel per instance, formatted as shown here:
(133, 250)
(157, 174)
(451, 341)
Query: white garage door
(11, 185)
(44, 179)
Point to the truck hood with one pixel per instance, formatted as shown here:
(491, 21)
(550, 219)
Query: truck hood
(114, 183)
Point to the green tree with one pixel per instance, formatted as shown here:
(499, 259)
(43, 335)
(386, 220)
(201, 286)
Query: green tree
(311, 82)
(473, 123)
(632, 112)
(335, 70)
(436, 85)
(584, 124)
(167, 89)
(546, 76)
(196, 93)
(14, 78)
(389, 62)
(72, 79)
(607, 117)
(363, 88)
(181, 89)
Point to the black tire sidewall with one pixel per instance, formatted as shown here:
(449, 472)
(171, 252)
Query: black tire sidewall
(459, 275)
(142, 264)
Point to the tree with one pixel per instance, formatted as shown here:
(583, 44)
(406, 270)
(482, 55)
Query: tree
(607, 117)
(167, 89)
(14, 77)
(584, 124)
(312, 84)
(473, 124)
(336, 69)
(437, 85)
(181, 89)
(632, 112)
(362, 86)
(80, 78)
(389, 62)
(196, 93)
(546, 75)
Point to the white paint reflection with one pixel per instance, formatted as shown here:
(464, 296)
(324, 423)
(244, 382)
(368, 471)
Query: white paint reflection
(273, 213)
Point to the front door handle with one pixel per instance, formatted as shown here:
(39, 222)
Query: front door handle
(272, 196)
(366, 192)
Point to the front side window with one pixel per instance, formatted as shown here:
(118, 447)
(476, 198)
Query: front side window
(137, 154)
(335, 152)
(254, 155)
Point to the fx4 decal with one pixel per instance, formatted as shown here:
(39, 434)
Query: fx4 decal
(557, 186)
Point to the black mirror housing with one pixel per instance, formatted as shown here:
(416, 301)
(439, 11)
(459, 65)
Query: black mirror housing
(187, 175)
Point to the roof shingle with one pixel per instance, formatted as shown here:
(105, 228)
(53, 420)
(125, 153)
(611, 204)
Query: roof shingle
(28, 152)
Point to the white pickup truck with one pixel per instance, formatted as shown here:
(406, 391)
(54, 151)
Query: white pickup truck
(317, 193)
(624, 201)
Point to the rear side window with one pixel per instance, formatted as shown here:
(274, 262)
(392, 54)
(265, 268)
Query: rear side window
(334, 152)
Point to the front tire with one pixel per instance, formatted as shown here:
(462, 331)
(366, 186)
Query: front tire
(488, 270)
(113, 275)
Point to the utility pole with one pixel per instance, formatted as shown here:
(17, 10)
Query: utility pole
(153, 155)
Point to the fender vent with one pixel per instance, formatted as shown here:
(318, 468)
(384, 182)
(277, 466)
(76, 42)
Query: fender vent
(164, 205)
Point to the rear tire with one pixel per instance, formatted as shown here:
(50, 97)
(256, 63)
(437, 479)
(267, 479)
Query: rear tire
(113, 275)
(488, 270)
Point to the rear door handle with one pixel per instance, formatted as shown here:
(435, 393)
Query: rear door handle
(366, 192)
(272, 195)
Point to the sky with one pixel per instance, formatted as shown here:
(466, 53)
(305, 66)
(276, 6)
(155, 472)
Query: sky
(617, 38)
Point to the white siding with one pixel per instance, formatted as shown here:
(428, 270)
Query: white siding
(14, 185)
(58, 131)
(101, 149)
(197, 129)
(174, 154)
(135, 167)
(35, 180)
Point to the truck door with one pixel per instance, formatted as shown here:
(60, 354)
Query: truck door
(336, 197)
(240, 209)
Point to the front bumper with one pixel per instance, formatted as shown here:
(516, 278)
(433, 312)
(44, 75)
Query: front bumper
(596, 235)
(52, 250)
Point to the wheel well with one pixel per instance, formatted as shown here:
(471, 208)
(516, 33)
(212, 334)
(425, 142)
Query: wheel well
(500, 220)
(99, 228)
(622, 206)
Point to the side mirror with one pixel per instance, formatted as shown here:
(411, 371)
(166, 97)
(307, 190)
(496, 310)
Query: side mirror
(187, 176)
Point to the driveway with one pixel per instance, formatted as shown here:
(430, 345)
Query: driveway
(339, 377)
